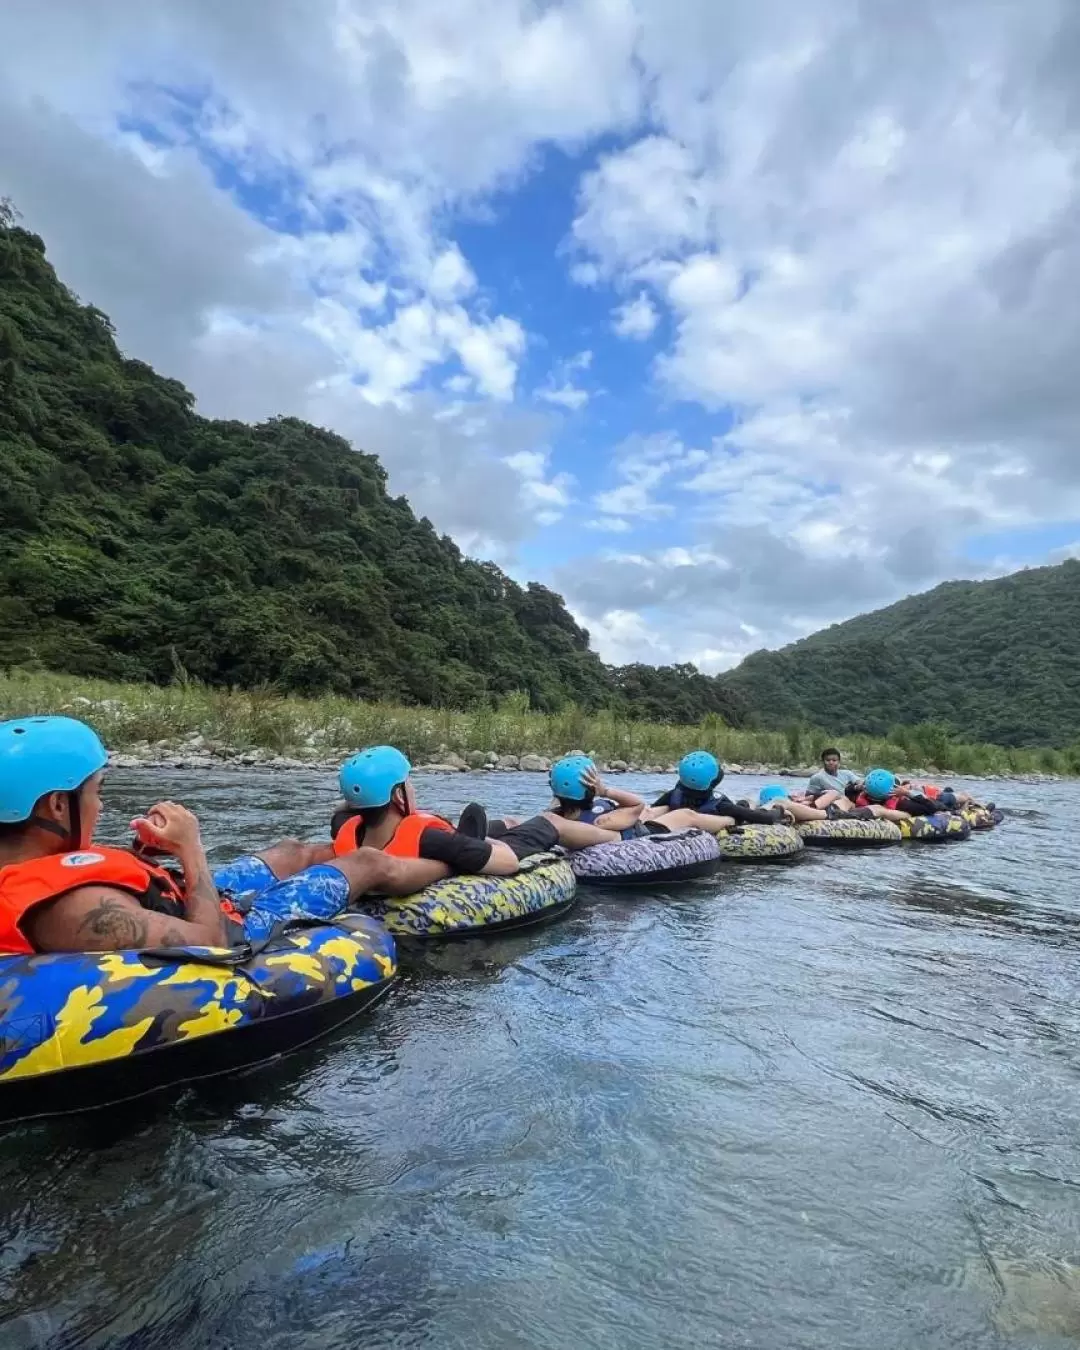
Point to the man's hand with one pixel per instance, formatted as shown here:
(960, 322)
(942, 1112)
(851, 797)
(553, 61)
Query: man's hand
(170, 827)
(592, 780)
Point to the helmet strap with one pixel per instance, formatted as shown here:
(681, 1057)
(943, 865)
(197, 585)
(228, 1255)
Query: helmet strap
(53, 827)
(71, 833)
(74, 820)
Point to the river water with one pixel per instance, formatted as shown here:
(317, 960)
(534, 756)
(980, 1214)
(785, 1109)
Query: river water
(825, 1105)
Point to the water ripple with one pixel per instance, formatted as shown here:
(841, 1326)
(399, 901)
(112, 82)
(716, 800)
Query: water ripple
(829, 1105)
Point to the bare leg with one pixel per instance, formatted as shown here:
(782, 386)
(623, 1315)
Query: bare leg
(371, 870)
(504, 862)
(684, 819)
(289, 856)
(800, 811)
(574, 834)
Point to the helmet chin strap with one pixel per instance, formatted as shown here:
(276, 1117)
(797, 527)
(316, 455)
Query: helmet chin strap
(71, 833)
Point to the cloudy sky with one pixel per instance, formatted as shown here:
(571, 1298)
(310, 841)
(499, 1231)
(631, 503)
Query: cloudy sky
(728, 318)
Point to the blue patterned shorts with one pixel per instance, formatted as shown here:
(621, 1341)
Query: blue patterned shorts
(319, 892)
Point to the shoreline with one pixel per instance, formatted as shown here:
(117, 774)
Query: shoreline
(190, 727)
(191, 757)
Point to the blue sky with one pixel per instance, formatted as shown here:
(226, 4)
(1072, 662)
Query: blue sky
(727, 321)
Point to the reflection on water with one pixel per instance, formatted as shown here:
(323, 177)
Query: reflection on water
(828, 1106)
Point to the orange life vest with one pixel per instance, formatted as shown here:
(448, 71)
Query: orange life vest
(405, 842)
(27, 884)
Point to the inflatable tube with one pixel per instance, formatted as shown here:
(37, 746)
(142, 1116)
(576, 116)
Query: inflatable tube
(849, 833)
(759, 843)
(464, 906)
(943, 827)
(88, 1029)
(982, 817)
(686, 855)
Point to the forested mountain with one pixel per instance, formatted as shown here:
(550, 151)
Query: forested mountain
(139, 539)
(995, 660)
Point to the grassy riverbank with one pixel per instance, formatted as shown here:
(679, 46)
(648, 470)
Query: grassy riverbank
(146, 718)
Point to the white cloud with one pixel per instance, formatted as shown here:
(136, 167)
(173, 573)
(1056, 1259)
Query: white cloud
(451, 276)
(639, 204)
(622, 636)
(642, 464)
(566, 396)
(561, 389)
(548, 497)
(636, 319)
(609, 525)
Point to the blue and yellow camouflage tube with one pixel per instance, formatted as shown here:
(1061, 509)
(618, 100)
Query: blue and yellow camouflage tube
(79, 1030)
(940, 828)
(468, 906)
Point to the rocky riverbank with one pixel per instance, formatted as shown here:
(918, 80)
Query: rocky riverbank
(196, 752)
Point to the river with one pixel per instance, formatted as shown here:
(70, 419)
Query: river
(818, 1106)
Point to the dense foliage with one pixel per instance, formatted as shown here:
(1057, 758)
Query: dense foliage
(141, 540)
(990, 660)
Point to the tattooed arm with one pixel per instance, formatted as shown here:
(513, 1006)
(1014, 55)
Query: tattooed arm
(101, 919)
(202, 902)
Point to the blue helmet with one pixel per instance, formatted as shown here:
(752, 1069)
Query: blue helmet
(699, 771)
(879, 784)
(39, 755)
(370, 777)
(771, 793)
(567, 778)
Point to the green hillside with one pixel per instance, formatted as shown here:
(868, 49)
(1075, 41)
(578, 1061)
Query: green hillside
(140, 540)
(994, 660)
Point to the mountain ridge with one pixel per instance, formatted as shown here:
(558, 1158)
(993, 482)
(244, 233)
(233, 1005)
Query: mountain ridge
(993, 660)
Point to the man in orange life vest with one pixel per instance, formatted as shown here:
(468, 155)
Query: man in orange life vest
(59, 891)
(380, 811)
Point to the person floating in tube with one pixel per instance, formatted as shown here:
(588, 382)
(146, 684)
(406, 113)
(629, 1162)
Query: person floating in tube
(899, 799)
(803, 808)
(60, 891)
(700, 774)
(379, 810)
(828, 786)
(581, 794)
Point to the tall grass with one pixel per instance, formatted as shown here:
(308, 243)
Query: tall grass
(137, 716)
